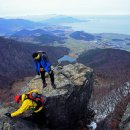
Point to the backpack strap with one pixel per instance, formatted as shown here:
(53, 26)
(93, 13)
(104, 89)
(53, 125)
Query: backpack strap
(39, 99)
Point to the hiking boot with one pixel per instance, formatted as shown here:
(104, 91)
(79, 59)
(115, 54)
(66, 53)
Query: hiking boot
(44, 85)
(53, 85)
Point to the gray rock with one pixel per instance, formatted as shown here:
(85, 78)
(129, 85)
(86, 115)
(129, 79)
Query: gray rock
(67, 104)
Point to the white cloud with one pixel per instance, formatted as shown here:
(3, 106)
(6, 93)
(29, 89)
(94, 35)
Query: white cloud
(37, 7)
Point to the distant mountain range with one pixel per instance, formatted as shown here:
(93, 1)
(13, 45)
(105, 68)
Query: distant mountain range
(81, 35)
(7, 26)
(46, 33)
(16, 59)
(62, 19)
(40, 36)
(49, 39)
(26, 33)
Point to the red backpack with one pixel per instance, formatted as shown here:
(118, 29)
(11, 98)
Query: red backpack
(38, 98)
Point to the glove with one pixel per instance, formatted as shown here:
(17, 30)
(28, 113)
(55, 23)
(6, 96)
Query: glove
(8, 114)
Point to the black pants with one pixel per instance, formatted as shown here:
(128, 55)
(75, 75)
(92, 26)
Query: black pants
(43, 76)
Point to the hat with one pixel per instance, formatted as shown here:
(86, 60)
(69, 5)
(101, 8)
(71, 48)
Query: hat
(17, 98)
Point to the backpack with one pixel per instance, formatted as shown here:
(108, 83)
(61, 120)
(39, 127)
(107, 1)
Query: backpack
(44, 55)
(38, 98)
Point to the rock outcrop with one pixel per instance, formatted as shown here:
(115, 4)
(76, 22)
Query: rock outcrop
(68, 103)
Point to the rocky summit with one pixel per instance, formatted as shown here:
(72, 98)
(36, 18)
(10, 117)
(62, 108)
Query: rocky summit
(65, 106)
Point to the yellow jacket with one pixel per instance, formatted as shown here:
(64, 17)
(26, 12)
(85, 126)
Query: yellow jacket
(26, 104)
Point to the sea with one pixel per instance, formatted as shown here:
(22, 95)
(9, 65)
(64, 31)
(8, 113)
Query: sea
(102, 24)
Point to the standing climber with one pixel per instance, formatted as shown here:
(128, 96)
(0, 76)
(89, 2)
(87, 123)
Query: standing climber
(31, 100)
(42, 65)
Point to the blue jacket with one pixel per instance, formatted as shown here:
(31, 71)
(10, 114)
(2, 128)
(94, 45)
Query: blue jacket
(44, 63)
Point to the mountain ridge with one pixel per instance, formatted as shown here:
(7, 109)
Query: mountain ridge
(62, 19)
(7, 26)
(110, 63)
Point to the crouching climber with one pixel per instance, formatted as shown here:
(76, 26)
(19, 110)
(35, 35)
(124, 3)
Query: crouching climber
(32, 100)
(42, 66)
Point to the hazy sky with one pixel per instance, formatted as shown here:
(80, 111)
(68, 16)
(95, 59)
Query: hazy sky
(39, 7)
